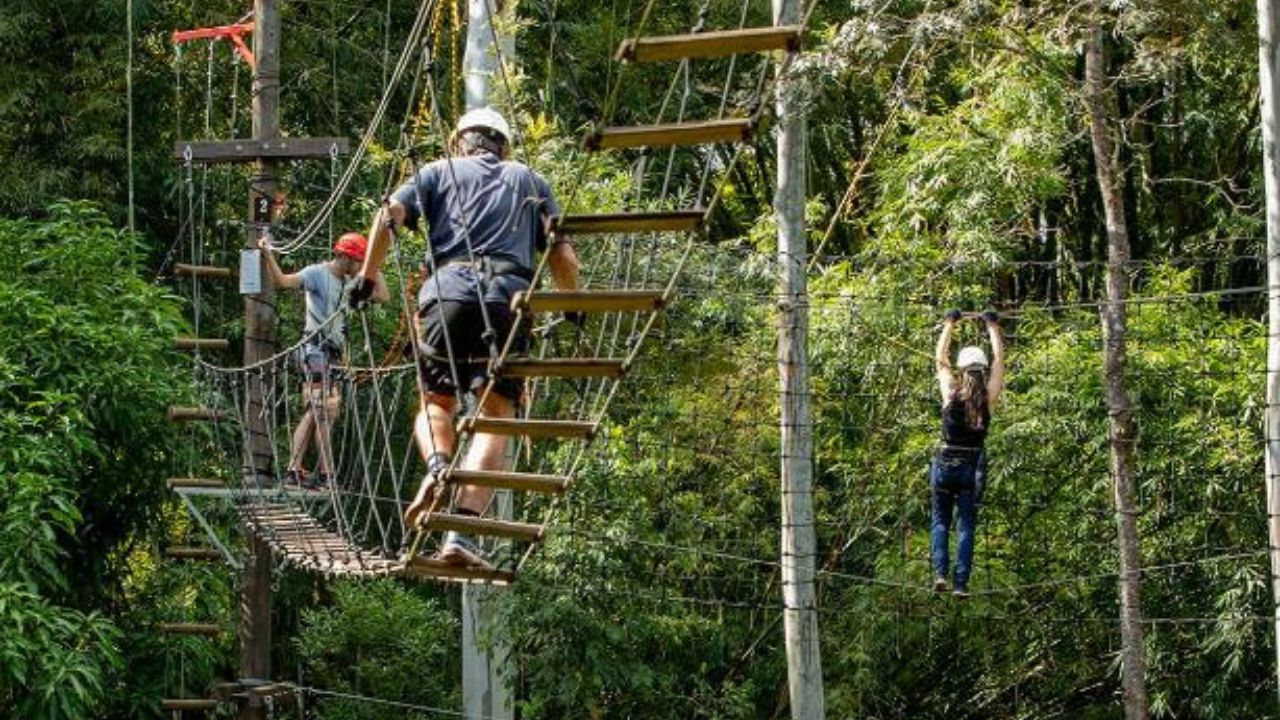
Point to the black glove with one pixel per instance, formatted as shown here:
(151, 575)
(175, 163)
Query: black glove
(578, 319)
(952, 315)
(990, 317)
(361, 291)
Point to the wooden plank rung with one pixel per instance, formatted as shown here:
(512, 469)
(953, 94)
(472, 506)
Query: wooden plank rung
(192, 553)
(637, 222)
(204, 271)
(525, 532)
(591, 301)
(218, 151)
(543, 429)
(194, 414)
(187, 483)
(718, 43)
(564, 368)
(191, 343)
(205, 629)
(698, 132)
(188, 704)
(510, 480)
(431, 568)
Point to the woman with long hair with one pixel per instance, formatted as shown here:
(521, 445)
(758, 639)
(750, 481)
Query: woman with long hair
(957, 473)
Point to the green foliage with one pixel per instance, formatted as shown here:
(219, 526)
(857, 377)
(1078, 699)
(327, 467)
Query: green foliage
(79, 456)
(379, 639)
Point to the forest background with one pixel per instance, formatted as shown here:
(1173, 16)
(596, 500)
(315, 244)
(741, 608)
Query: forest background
(949, 165)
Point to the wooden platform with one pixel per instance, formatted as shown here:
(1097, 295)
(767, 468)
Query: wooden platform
(717, 43)
(192, 343)
(203, 271)
(188, 704)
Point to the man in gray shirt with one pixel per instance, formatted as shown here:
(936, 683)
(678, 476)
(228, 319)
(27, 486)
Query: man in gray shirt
(324, 337)
(487, 217)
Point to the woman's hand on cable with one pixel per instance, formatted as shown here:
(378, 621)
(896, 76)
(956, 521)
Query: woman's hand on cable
(264, 243)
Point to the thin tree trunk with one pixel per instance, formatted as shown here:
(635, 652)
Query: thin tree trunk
(1110, 185)
(799, 552)
(1268, 28)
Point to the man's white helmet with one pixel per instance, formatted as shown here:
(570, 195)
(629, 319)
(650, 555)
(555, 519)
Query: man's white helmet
(972, 357)
(488, 118)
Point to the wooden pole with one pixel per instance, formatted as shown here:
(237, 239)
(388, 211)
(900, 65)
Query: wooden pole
(1114, 326)
(800, 616)
(486, 671)
(259, 343)
(1268, 29)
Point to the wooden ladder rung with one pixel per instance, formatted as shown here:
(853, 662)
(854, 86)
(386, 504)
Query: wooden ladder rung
(664, 221)
(191, 343)
(180, 484)
(589, 301)
(195, 414)
(510, 480)
(718, 43)
(209, 271)
(564, 368)
(192, 553)
(698, 132)
(205, 629)
(525, 532)
(431, 568)
(529, 428)
(188, 704)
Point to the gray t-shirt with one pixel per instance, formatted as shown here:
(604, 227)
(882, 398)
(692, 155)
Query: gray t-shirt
(324, 298)
(498, 205)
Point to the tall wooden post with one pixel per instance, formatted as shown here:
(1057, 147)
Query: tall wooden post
(1268, 29)
(486, 671)
(800, 615)
(1119, 409)
(259, 343)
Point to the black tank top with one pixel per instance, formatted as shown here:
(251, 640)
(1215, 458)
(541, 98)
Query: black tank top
(955, 426)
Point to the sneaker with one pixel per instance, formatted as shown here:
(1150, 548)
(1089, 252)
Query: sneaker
(939, 584)
(960, 593)
(318, 482)
(458, 549)
(296, 479)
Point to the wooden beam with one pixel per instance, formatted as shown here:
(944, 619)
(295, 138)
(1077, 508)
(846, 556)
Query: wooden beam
(630, 222)
(184, 483)
(718, 43)
(699, 132)
(542, 429)
(191, 343)
(592, 301)
(526, 532)
(243, 151)
(204, 271)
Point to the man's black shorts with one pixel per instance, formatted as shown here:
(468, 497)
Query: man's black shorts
(464, 326)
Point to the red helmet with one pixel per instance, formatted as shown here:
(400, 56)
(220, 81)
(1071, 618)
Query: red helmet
(353, 245)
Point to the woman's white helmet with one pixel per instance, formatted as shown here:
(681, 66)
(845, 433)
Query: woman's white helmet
(972, 357)
(487, 118)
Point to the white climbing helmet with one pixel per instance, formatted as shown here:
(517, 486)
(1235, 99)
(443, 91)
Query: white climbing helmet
(972, 357)
(488, 118)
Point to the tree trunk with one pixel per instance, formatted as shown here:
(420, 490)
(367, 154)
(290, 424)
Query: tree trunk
(1113, 310)
(800, 615)
(1268, 27)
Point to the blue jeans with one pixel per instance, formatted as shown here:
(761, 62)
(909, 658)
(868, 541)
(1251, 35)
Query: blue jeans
(956, 482)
